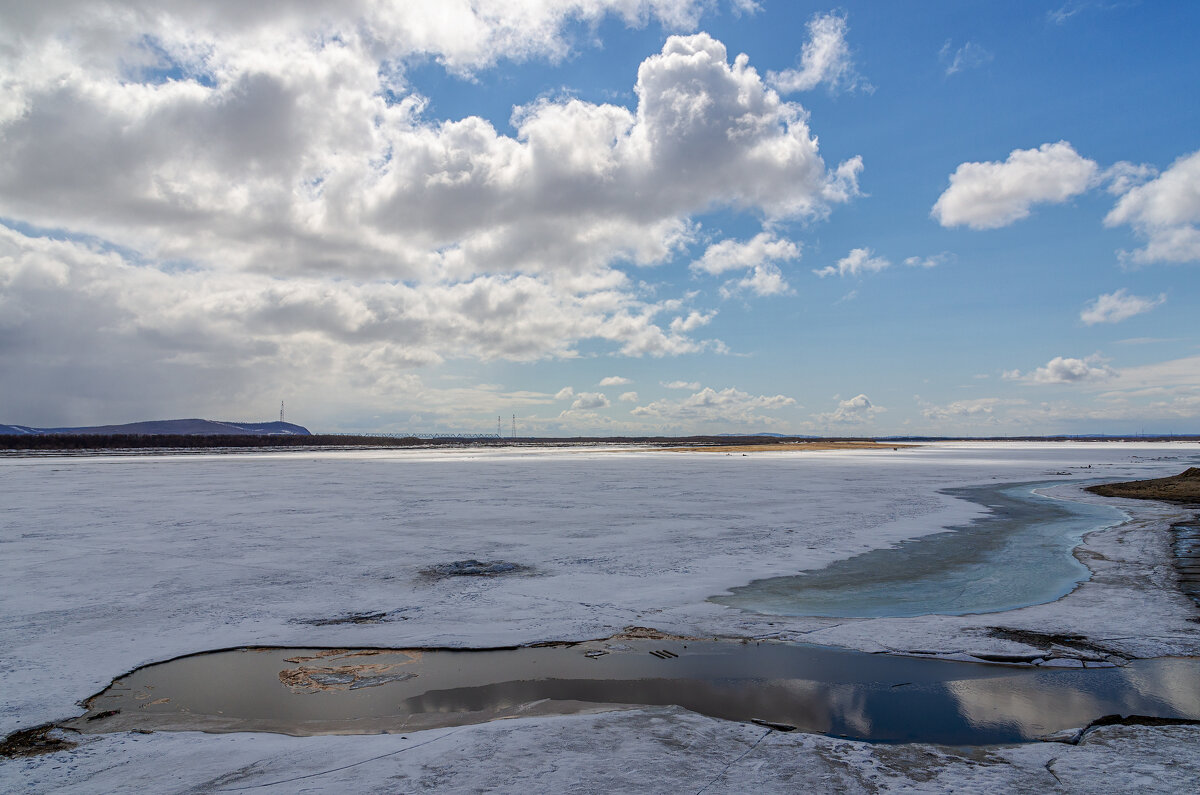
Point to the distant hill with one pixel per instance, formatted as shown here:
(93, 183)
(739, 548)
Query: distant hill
(192, 427)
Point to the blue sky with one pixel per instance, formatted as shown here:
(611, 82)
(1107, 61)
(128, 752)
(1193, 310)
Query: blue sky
(884, 218)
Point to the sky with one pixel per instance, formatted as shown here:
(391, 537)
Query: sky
(602, 217)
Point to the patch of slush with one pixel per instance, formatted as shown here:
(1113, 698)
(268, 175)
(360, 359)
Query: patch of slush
(473, 568)
(1018, 556)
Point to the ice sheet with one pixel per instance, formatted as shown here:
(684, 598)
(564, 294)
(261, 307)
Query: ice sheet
(111, 563)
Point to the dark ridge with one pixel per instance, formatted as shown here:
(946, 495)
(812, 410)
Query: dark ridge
(1047, 640)
(64, 441)
(188, 427)
(95, 441)
(1123, 720)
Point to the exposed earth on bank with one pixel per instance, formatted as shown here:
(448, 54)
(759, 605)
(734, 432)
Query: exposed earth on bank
(1184, 487)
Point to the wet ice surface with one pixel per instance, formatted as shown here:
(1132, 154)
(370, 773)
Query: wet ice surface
(113, 563)
(1016, 557)
(871, 697)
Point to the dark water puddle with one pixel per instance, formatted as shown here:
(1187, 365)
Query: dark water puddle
(877, 698)
(1019, 555)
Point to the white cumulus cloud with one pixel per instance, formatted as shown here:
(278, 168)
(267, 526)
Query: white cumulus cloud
(762, 281)
(692, 321)
(733, 254)
(994, 194)
(930, 261)
(628, 397)
(709, 407)
(1166, 212)
(857, 262)
(975, 409)
(1123, 176)
(590, 400)
(1117, 306)
(615, 380)
(758, 255)
(1065, 370)
(857, 410)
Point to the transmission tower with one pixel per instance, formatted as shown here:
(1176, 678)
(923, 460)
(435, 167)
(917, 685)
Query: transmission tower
(281, 411)
(498, 434)
(514, 426)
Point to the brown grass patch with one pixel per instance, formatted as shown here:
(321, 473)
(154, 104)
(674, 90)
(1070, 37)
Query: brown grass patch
(1184, 487)
(33, 742)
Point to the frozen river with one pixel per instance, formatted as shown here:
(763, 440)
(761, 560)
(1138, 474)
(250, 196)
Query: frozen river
(116, 562)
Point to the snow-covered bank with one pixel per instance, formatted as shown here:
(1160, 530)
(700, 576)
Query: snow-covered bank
(111, 563)
(652, 750)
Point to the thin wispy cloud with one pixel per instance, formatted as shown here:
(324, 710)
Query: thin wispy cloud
(825, 59)
(1117, 306)
(856, 263)
(968, 55)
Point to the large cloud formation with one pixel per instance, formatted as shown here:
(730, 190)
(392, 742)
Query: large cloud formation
(238, 183)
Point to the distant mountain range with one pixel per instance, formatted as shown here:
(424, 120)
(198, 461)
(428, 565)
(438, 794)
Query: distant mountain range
(193, 427)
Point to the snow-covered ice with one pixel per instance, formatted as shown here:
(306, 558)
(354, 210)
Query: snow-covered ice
(651, 750)
(113, 562)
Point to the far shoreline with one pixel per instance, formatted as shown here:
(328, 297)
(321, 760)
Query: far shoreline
(19, 445)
